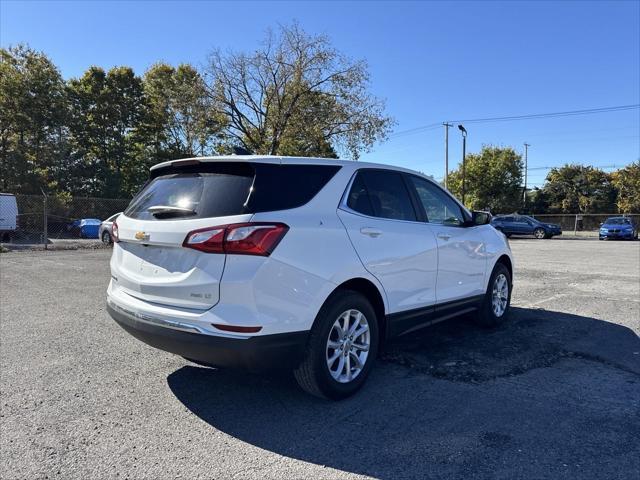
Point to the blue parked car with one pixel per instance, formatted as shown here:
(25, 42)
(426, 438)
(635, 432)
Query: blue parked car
(618, 227)
(524, 225)
(85, 227)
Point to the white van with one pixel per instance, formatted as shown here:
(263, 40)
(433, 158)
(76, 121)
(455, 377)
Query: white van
(8, 215)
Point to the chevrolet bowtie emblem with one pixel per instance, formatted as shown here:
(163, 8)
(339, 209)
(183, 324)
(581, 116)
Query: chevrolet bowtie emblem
(142, 236)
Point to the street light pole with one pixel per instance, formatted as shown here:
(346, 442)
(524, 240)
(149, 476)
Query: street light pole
(464, 154)
(524, 194)
(446, 153)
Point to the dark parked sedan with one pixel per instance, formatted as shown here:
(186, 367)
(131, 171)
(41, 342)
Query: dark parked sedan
(525, 225)
(618, 228)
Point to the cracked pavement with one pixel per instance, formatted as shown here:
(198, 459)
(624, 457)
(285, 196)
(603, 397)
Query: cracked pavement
(554, 393)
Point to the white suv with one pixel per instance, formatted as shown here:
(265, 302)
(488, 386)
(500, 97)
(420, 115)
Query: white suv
(298, 263)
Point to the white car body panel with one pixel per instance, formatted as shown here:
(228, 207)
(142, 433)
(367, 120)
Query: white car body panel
(462, 262)
(402, 255)
(410, 267)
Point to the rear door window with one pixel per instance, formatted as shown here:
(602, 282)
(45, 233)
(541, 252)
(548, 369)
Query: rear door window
(381, 193)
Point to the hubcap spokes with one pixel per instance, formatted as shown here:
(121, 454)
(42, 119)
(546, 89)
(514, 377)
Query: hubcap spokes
(348, 346)
(500, 295)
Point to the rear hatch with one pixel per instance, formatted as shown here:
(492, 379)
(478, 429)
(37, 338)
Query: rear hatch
(150, 261)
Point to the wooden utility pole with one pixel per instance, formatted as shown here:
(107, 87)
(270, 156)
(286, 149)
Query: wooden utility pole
(524, 193)
(446, 153)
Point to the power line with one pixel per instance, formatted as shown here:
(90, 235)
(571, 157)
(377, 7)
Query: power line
(568, 113)
(594, 166)
(411, 131)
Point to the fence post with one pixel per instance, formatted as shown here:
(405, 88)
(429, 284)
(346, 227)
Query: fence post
(45, 226)
(575, 226)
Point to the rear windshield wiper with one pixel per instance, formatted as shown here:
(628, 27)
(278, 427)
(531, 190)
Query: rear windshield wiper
(167, 210)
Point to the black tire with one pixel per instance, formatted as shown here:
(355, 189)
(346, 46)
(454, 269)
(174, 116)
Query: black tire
(539, 233)
(313, 374)
(486, 317)
(106, 238)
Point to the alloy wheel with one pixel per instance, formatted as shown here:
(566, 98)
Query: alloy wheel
(500, 295)
(348, 346)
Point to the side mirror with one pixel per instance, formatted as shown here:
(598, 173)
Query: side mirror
(480, 218)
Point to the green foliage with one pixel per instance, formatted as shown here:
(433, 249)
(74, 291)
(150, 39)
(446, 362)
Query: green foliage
(32, 120)
(178, 120)
(579, 189)
(97, 135)
(105, 107)
(493, 180)
(627, 183)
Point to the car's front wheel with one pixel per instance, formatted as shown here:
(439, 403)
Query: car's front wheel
(342, 347)
(497, 300)
(106, 238)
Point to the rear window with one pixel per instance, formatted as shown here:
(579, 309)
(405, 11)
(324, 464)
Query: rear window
(221, 189)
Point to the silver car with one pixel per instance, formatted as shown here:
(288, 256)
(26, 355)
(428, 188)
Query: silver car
(105, 232)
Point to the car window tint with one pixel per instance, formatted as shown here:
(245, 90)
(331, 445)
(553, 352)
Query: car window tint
(216, 189)
(359, 197)
(507, 219)
(381, 194)
(438, 205)
(282, 187)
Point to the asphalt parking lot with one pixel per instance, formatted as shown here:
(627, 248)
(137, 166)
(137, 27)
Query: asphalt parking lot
(554, 393)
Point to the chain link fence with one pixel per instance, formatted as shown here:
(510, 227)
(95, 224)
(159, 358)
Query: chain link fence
(45, 219)
(582, 222)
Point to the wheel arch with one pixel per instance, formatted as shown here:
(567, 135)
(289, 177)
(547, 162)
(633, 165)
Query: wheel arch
(371, 291)
(506, 261)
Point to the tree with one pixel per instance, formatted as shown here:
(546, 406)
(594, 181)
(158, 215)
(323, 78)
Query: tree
(179, 111)
(579, 189)
(32, 119)
(627, 183)
(104, 110)
(296, 94)
(493, 180)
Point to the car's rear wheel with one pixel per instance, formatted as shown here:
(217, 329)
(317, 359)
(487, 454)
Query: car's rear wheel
(342, 347)
(539, 233)
(106, 238)
(497, 300)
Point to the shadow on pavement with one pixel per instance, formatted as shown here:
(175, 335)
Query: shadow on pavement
(547, 395)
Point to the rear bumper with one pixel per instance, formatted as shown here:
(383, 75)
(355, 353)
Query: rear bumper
(257, 353)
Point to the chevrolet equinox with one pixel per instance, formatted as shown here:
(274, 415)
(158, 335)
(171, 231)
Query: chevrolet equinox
(299, 263)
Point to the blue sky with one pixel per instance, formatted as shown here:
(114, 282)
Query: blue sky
(431, 61)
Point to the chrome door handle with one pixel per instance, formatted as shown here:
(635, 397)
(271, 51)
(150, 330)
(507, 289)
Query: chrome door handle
(444, 236)
(372, 232)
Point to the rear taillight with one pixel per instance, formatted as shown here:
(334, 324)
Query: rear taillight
(114, 232)
(238, 238)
